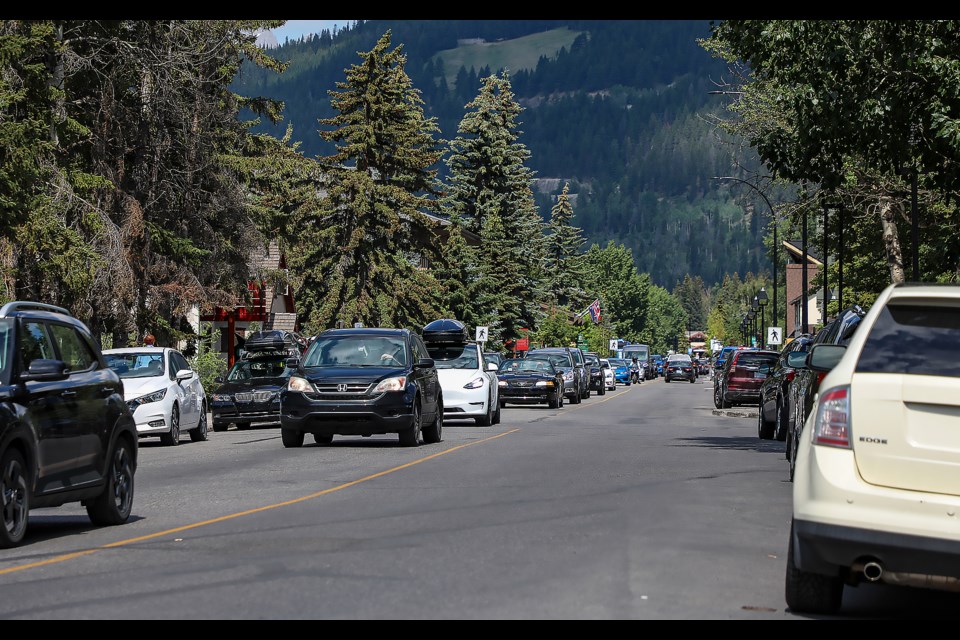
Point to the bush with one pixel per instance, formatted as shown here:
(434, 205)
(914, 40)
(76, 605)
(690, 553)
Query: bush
(208, 362)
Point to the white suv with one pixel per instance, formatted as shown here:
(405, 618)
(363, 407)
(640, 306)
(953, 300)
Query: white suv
(876, 492)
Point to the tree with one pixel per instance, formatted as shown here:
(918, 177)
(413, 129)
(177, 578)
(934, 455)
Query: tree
(694, 299)
(564, 258)
(622, 289)
(364, 243)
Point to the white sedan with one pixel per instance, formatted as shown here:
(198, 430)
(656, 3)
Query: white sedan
(469, 384)
(163, 392)
(609, 379)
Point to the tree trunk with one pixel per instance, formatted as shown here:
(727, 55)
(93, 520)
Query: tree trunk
(891, 241)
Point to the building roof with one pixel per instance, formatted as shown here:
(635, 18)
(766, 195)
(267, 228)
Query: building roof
(795, 247)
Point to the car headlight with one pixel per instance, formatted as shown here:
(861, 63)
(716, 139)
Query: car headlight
(156, 396)
(296, 383)
(476, 383)
(501, 383)
(392, 384)
(545, 383)
(568, 376)
(222, 397)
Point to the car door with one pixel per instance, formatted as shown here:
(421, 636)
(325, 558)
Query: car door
(491, 379)
(191, 387)
(185, 402)
(52, 415)
(95, 395)
(426, 378)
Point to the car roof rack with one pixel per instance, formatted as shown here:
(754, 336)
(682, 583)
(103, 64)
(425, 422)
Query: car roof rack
(11, 307)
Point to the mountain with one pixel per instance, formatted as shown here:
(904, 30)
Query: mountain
(617, 108)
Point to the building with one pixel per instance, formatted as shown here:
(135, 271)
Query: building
(794, 286)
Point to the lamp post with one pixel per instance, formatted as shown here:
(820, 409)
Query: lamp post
(762, 301)
(773, 214)
(755, 307)
(752, 315)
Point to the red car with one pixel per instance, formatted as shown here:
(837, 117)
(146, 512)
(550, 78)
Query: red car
(742, 377)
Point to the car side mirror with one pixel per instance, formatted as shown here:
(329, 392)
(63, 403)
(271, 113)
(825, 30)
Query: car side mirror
(797, 359)
(218, 379)
(293, 363)
(42, 370)
(423, 363)
(492, 366)
(824, 357)
(184, 374)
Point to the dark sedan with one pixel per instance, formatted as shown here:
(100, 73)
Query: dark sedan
(530, 381)
(679, 367)
(772, 415)
(251, 392)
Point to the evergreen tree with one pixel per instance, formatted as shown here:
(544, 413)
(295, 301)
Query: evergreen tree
(359, 253)
(694, 298)
(565, 264)
(457, 274)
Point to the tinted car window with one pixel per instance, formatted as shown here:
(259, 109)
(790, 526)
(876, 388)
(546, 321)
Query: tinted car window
(357, 351)
(181, 362)
(913, 339)
(455, 357)
(6, 344)
(558, 359)
(592, 360)
(755, 359)
(136, 365)
(35, 344)
(73, 349)
(249, 369)
(527, 365)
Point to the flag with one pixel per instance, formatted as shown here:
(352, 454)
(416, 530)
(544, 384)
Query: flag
(595, 311)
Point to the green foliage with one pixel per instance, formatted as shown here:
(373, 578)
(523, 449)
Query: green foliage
(556, 330)
(666, 323)
(695, 300)
(208, 362)
(565, 264)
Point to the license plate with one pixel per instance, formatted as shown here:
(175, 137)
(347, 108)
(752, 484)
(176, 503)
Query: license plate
(760, 375)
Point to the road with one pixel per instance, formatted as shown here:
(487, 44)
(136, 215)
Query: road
(640, 504)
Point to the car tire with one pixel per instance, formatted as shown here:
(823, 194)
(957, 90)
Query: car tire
(496, 414)
(291, 438)
(716, 396)
(412, 436)
(14, 499)
(487, 419)
(220, 427)
(554, 401)
(242, 426)
(433, 433)
(323, 439)
(114, 504)
(765, 429)
(172, 437)
(602, 390)
(575, 398)
(503, 404)
(667, 380)
(780, 428)
(793, 458)
(811, 592)
(199, 433)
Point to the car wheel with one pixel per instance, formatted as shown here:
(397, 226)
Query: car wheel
(554, 401)
(793, 457)
(219, 427)
(667, 380)
(811, 592)
(716, 396)
(764, 428)
(487, 419)
(503, 404)
(780, 430)
(412, 436)
(602, 390)
(172, 437)
(433, 433)
(320, 438)
(575, 399)
(199, 434)
(242, 426)
(291, 438)
(723, 401)
(496, 414)
(113, 506)
(14, 499)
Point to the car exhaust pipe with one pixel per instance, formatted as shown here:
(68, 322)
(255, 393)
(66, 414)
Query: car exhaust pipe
(872, 571)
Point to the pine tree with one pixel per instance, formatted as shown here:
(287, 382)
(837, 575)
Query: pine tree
(565, 262)
(359, 254)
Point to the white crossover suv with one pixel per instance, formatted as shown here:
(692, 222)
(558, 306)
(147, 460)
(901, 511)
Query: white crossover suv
(876, 490)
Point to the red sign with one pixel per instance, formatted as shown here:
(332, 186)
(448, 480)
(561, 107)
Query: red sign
(523, 344)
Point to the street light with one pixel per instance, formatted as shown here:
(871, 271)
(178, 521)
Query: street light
(773, 214)
(762, 301)
(753, 326)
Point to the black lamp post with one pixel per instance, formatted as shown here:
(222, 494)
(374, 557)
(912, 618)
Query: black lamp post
(762, 301)
(755, 307)
(773, 214)
(752, 315)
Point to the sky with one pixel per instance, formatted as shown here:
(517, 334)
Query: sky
(294, 29)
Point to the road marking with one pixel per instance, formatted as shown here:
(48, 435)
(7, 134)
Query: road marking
(160, 534)
(593, 404)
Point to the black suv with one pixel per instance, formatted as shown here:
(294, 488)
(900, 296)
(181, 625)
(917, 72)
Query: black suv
(66, 434)
(363, 382)
(597, 382)
(250, 392)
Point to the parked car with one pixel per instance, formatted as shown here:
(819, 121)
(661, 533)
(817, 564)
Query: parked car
(609, 379)
(806, 382)
(772, 411)
(468, 383)
(250, 392)
(679, 366)
(531, 380)
(621, 370)
(743, 374)
(493, 357)
(580, 359)
(289, 342)
(562, 359)
(363, 382)
(657, 365)
(597, 380)
(66, 434)
(877, 478)
(164, 393)
(721, 359)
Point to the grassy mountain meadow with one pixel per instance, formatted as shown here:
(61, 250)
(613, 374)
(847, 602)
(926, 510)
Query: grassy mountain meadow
(616, 108)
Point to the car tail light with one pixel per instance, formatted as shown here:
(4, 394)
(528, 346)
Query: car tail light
(832, 425)
(790, 375)
(820, 376)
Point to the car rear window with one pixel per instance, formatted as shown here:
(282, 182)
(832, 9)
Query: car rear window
(755, 359)
(914, 339)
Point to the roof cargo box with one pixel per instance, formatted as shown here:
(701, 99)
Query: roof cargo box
(446, 331)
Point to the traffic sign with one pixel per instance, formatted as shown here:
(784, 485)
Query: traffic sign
(482, 334)
(613, 344)
(774, 335)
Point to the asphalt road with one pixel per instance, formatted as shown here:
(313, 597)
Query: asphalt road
(640, 504)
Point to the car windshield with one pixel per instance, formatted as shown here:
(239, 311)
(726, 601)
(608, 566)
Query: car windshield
(6, 343)
(142, 364)
(455, 357)
(592, 360)
(357, 351)
(618, 362)
(250, 369)
(679, 358)
(527, 365)
(557, 360)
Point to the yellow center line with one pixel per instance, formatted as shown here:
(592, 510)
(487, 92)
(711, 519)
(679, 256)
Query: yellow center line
(593, 404)
(160, 534)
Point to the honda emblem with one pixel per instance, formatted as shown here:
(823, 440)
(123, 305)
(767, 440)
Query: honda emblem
(341, 388)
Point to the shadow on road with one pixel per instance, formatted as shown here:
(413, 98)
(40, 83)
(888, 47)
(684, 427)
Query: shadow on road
(734, 442)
